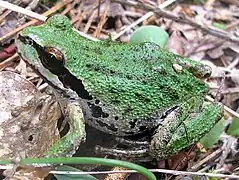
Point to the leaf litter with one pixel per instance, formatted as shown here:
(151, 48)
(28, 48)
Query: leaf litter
(101, 18)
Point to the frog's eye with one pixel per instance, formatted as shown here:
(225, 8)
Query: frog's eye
(50, 57)
(55, 53)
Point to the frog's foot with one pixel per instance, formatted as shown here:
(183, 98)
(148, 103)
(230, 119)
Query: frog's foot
(184, 127)
(68, 144)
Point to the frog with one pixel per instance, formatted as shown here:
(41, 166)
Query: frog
(124, 89)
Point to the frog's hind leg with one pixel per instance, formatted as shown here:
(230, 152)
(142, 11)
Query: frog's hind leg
(131, 142)
(139, 149)
(184, 127)
(134, 153)
(68, 144)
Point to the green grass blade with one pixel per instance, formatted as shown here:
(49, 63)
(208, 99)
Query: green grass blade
(85, 160)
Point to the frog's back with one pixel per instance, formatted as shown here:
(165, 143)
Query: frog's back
(131, 85)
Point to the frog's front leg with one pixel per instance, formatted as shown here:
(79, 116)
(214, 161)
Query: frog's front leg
(68, 144)
(184, 127)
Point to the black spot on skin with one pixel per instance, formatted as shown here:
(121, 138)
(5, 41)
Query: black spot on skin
(88, 65)
(97, 111)
(112, 72)
(97, 101)
(147, 99)
(144, 81)
(133, 123)
(116, 118)
(97, 68)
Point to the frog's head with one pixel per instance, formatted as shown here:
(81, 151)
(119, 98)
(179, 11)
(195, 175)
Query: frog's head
(38, 43)
(42, 48)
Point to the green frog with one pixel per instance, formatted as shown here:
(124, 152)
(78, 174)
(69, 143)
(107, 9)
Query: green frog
(123, 89)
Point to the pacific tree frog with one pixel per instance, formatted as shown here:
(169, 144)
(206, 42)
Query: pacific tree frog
(124, 89)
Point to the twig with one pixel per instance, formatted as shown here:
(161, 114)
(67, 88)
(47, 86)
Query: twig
(34, 21)
(230, 111)
(181, 19)
(230, 90)
(21, 10)
(233, 64)
(8, 61)
(173, 172)
(103, 20)
(166, 171)
(206, 159)
(42, 87)
(70, 6)
(4, 15)
(236, 2)
(232, 25)
(146, 16)
(89, 22)
(226, 150)
(39, 17)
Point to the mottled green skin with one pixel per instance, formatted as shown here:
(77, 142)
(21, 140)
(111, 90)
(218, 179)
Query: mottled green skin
(133, 81)
(132, 84)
